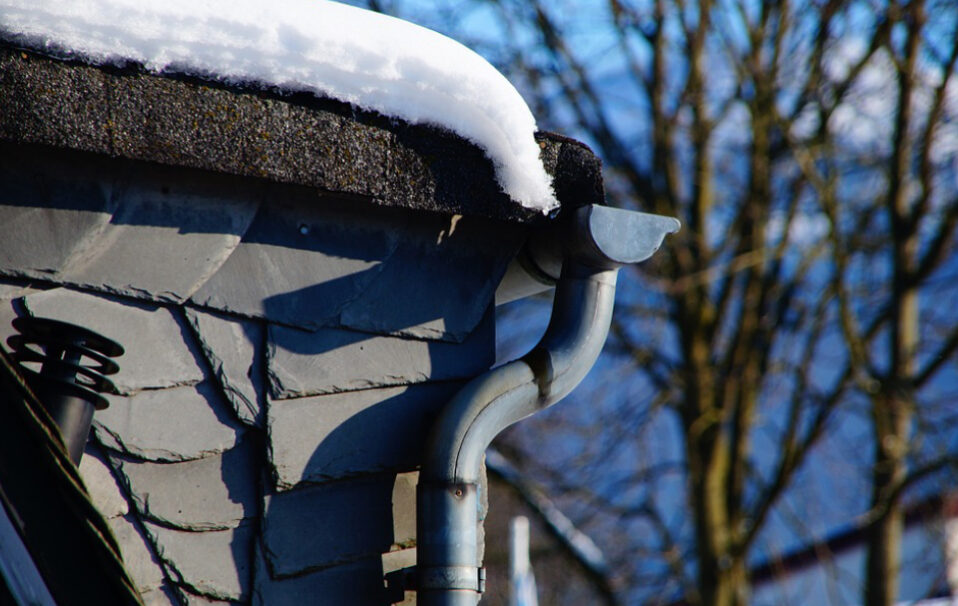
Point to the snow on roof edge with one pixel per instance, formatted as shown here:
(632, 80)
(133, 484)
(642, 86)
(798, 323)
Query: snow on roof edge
(368, 59)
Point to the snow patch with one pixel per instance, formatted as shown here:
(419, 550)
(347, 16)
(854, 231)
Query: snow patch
(370, 60)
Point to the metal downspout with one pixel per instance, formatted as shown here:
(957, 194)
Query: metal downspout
(597, 242)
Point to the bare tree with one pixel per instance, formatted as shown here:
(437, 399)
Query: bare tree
(734, 289)
(907, 225)
(804, 147)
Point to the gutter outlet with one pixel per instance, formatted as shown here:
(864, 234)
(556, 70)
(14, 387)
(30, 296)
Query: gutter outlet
(594, 242)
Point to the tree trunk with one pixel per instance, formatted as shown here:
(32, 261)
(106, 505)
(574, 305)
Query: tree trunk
(884, 558)
(893, 414)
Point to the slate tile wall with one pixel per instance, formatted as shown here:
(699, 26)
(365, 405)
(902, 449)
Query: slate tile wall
(280, 253)
(265, 443)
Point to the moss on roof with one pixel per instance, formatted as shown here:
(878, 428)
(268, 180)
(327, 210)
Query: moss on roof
(288, 138)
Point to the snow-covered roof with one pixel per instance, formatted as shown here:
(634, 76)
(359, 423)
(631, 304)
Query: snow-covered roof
(371, 60)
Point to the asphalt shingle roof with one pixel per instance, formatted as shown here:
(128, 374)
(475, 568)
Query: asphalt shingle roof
(287, 138)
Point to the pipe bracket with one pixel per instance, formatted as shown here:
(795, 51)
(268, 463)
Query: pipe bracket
(468, 578)
(442, 578)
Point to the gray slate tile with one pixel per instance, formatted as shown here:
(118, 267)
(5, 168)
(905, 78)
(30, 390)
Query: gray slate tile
(332, 360)
(7, 314)
(168, 235)
(12, 288)
(404, 509)
(101, 484)
(347, 585)
(162, 596)
(439, 282)
(350, 264)
(301, 262)
(138, 557)
(214, 493)
(154, 233)
(344, 521)
(234, 349)
(177, 424)
(215, 564)
(340, 435)
(156, 354)
(11, 293)
(47, 218)
(192, 599)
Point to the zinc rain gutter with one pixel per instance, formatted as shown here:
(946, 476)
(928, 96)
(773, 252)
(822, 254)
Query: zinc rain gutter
(595, 243)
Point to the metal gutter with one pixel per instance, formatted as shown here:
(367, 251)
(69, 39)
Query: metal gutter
(594, 242)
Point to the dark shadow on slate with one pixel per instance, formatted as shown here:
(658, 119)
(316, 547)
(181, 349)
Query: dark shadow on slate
(43, 215)
(295, 217)
(43, 177)
(31, 174)
(283, 225)
(252, 442)
(391, 433)
(39, 176)
(105, 191)
(246, 550)
(398, 313)
(303, 363)
(259, 378)
(324, 525)
(302, 302)
(279, 305)
(387, 436)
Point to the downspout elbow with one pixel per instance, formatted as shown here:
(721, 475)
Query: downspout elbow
(577, 330)
(596, 242)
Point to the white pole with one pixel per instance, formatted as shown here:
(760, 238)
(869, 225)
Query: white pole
(522, 582)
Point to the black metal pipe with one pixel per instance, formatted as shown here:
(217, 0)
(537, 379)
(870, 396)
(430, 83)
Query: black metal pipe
(73, 366)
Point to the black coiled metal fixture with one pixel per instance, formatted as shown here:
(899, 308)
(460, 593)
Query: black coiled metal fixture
(66, 366)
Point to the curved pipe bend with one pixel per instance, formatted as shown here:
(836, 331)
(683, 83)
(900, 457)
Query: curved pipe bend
(596, 242)
(577, 330)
